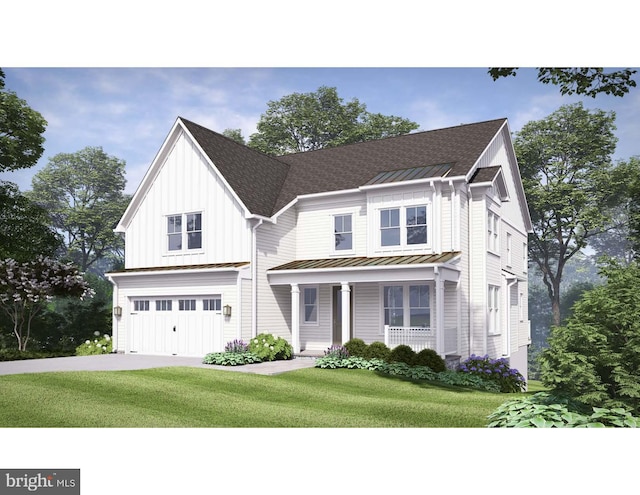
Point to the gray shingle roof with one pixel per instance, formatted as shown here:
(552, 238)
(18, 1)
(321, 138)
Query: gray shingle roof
(267, 184)
(255, 177)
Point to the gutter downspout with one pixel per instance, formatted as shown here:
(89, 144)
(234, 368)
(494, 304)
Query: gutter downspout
(254, 278)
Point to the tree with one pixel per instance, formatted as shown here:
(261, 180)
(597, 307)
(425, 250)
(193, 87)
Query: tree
(588, 81)
(83, 193)
(595, 358)
(21, 130)
(27, 288)
(565, 166)
(311, 121)
(25, 232)
(235, 134)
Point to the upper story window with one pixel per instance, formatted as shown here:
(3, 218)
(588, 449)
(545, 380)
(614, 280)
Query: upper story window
(416, 225)
(343, 232)
(492, 232)
(184, 230)
(403, 226)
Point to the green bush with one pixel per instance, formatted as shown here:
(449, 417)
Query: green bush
(95, 346)
(231, 358)
(430, 358)
(17, 355)
(270, 347)
(402, 354)
(377, 350)
(356, 347)
(543, 410)
(459, 379)
(595, 357)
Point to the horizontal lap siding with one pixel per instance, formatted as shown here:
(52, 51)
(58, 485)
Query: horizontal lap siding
(367, 318)
(316, 228)
(464, 274)
(246, 309)
(317, 337)
(174, 287)
(276, 246)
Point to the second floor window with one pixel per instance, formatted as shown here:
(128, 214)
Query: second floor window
(343, 232)
(184, 230)
(403, 226)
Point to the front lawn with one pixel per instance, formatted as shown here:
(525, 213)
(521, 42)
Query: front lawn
(195, 397)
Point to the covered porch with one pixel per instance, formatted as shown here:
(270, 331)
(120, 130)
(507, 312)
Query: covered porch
(411, 300)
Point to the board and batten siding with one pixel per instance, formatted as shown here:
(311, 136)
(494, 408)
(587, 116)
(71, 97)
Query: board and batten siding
(276, 245)
(186, 183)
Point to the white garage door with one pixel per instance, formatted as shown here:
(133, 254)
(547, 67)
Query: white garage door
(181, 326)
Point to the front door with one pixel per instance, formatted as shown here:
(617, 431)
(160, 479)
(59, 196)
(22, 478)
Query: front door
(337, 314)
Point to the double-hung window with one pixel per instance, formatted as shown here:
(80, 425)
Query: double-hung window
(403, 226)
(343, 232)
(493, 309)
(493, 223)
(184, 230)
(390, 227)
(406, 305)
(310, 297)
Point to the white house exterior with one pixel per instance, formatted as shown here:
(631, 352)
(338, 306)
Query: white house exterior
(418, 239)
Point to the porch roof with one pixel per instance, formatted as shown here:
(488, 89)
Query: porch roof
(364, 261)
(363, 268)
(232, 266)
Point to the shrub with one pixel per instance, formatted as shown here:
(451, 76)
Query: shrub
(17, 355)
(595, 357)
(231, 358)
(402, 354)
(236, 346)
(430, 358)
(460, 379)
(356, 347)
(337, 351)
(91, 347)
(497, 370)
(270, 347)
(377, 350)
(543, 410)
(353, 362)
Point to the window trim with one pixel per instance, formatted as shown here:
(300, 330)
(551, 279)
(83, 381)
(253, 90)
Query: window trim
(403, 227)
(334, 248)
(406, 301)
(493, 232)
(493, 310)
(303, 306)
(184, 233)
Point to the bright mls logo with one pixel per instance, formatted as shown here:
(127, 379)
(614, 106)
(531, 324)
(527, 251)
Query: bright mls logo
(40, 481)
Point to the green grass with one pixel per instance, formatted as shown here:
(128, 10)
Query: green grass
(195, 397)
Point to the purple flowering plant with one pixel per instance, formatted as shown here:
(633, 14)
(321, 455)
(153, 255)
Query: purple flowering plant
(337, 351)
(236, 346)
(497, 370)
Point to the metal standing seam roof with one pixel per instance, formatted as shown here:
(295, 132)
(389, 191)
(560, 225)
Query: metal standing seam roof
(368, 262)
(209, 266)
(408, 174)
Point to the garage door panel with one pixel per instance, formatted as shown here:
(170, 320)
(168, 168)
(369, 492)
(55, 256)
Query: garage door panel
(164, 328)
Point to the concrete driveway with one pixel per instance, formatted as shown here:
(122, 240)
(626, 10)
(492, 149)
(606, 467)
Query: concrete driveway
(116, 362)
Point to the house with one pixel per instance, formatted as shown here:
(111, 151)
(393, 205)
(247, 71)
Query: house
(418, 239)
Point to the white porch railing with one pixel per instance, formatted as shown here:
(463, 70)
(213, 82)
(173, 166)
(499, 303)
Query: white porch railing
(419, 338)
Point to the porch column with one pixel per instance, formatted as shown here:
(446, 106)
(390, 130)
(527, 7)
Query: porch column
(346, 312)
(439, 313)
(295, 318)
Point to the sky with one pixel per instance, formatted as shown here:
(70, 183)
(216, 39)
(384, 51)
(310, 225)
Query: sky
(129, 111)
